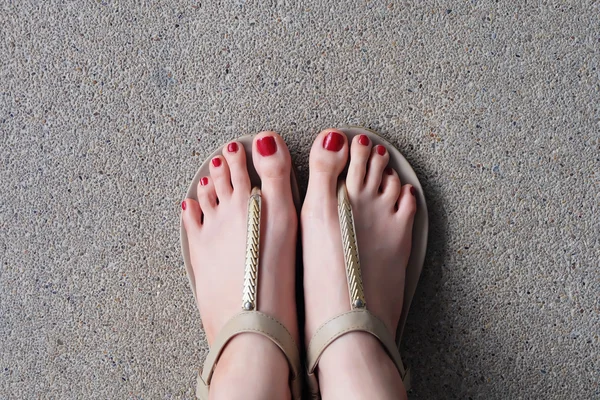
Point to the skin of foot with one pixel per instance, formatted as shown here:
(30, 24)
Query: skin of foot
(355, 366)
(251, 366)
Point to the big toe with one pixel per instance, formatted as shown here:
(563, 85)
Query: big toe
(271, 156)
(273, 164)
(328, 158)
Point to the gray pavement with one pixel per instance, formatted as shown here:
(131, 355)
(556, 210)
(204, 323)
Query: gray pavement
(108, 107)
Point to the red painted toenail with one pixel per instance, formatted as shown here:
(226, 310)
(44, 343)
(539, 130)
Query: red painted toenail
(333, 141)
(216, 162)
(183, 205)
(266, 146)
(413, 191)
(232, 147)
(364, 140)
(389, 170)
(204, 181)
(380, 149)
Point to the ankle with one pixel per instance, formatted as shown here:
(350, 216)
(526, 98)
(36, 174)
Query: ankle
(356, 366)
(251, 367)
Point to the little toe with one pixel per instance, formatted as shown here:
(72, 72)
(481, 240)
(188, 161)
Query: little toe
(191, 215)
(219, 172)
(360, 150)
(207, 196)
(407, 202)
(377, 163)
(235, 155)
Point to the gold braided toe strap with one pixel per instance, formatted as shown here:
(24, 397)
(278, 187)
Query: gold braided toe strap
(250, 320)
(358, 319)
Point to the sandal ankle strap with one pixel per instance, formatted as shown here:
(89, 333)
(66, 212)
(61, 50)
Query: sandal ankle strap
(264, 325)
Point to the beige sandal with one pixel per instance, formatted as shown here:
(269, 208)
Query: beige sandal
(249, 319)
(359, 318)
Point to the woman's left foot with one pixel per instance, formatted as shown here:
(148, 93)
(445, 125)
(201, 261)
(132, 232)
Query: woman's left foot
(216, 226)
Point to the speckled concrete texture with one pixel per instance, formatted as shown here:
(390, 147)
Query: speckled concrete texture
(108, 107)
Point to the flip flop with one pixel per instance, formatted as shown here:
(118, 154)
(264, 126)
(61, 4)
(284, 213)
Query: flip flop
(249, 319)
(359, 318)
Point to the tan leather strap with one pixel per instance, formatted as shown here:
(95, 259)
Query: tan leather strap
(351, 321)
(262, 324)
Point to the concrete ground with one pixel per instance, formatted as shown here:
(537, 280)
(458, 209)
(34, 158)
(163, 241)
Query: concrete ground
(108, 107)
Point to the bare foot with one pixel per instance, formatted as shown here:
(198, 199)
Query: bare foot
(216, 228)
(355, 364)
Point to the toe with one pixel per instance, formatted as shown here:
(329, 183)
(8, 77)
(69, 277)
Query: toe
(191, 215)
(271, 157)
(377, 163)
(390, 186)
(219, 172)
(359, 157)
(235, 155)
(207, 196)
(407, 203)
(328, 158)
(273, 164)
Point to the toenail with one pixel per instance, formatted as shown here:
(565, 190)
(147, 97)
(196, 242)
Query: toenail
(183, 205)
(413, 191)
(216, 162)
(333, 141)
(232, 147)
(266, 146)
(204, 181)
(364, 140)
(389, 170)
(380, 149)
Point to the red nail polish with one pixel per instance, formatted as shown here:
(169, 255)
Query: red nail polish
(232, 147)
(364, 140)
(266, 146)
(389, 170)
(183, 205)
(380, 149)
(333, 141)
(413, 191)
(216, 162)
(204, 181)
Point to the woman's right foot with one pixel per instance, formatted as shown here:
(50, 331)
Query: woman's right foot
(356, 364)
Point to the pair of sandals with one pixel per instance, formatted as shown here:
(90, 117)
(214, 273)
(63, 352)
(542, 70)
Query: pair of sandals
(250, 319)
